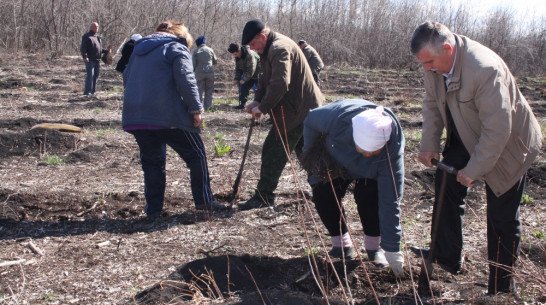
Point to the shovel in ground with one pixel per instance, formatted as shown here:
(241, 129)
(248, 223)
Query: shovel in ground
(427, 267)
(231, 198)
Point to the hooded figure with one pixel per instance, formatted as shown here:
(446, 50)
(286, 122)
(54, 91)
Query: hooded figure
(126, 52)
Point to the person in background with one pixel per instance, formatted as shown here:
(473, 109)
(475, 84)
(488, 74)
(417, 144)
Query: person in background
(247, 70)
(161, 107)
(126, 52)
(313, 58)
(491, 134)
(286, 92)
(357, 141)
(204, 61)
(91, 50)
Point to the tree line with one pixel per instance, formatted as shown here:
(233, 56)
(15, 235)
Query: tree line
(362, 33)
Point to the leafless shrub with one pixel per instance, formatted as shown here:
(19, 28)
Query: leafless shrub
(533, 275)
(369, 33)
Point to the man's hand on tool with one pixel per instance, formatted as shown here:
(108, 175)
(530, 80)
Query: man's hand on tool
(425, 157)
(249, 107)
(463, 179)
(256, 112)
(396, 262)
(253, 108)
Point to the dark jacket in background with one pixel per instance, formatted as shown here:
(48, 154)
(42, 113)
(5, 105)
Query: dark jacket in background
(248, 65)
(313, 58)
(91, 46)
(126, 52)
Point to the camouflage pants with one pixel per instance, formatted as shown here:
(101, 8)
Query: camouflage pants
(274, 160)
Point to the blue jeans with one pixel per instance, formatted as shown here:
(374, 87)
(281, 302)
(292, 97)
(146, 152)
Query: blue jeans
(93, 70)
(190, 148)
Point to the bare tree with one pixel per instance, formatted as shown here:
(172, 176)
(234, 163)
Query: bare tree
(364, 33)
(497, 32)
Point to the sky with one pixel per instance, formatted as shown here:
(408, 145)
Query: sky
(524, 9)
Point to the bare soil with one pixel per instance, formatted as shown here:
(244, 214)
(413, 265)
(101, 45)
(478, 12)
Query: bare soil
(72, 230)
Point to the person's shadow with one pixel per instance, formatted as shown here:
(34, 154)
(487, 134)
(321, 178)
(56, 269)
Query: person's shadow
(17, 229)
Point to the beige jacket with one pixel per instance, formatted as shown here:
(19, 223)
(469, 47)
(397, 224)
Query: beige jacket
(492, 117)
(286, 88)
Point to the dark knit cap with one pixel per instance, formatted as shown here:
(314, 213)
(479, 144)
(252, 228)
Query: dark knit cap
(201, 40)
(302, 42)
(252, 28)
(234, 47)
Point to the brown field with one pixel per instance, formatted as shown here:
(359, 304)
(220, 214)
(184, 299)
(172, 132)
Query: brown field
(72, 230)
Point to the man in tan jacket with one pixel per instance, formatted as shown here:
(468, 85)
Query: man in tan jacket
(492, 134)
(286, 91)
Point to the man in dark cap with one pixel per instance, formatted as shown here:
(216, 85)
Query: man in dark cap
(247, 70)
(286, 91)
(313, 58)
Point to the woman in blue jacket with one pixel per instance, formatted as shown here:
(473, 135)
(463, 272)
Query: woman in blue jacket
(161, 107)
(364, 144)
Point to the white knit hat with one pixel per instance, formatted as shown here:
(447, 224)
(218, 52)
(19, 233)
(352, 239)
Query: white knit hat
(372, 129)
(136, 37)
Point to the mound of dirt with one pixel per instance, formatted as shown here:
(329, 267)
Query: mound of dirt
(36, 142)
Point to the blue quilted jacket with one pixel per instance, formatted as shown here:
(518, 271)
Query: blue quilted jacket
(335, 121)
(160, 87)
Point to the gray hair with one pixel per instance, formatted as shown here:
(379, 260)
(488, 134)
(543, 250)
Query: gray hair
(431, 35)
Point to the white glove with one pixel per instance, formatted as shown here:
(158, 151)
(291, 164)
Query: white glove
(396, 261)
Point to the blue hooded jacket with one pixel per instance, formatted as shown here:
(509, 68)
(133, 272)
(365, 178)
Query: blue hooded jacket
(160, 86)
(335, 121)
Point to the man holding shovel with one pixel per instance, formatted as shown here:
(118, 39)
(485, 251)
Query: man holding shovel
(286, 91)
(492, 134)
